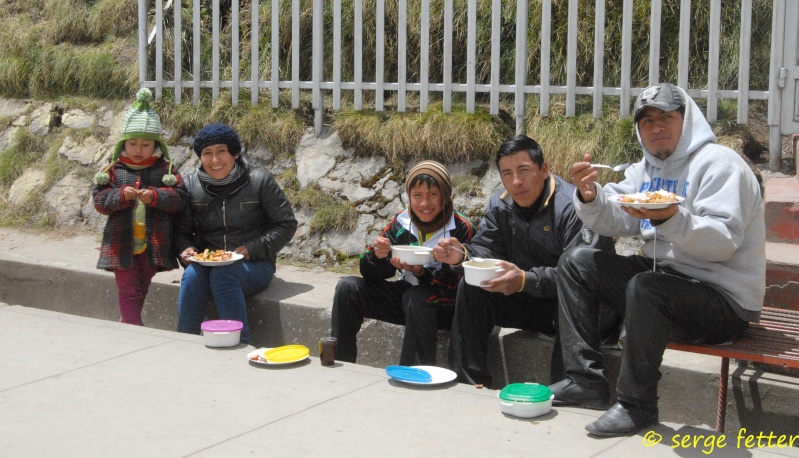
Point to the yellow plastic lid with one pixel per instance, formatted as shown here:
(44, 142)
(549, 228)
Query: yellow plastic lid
(287, 354)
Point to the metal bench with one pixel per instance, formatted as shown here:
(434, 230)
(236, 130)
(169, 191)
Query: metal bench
(774, 340)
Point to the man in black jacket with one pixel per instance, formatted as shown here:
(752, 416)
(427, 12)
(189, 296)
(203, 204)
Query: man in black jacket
(526, 227)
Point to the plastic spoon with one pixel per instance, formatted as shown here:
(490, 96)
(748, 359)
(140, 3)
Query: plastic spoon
(466, 254)
(615, 168)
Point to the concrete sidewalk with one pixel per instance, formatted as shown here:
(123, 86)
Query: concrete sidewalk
(55, 279)
(83, 387)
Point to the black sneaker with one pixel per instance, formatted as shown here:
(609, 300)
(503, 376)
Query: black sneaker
(623, 420)
(567, 392)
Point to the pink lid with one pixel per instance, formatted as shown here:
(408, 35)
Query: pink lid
(222, 326)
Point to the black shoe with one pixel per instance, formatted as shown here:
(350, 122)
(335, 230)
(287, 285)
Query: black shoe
(623, 420)
(567, 392)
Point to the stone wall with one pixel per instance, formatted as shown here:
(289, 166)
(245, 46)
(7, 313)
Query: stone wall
(372, 185)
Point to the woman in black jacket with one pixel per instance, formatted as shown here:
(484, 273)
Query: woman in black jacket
(235, 209)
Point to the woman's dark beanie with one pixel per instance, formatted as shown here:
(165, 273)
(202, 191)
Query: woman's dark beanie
(217, 134)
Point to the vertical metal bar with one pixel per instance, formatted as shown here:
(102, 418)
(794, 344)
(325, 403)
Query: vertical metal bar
(774, 92)
(177, 8)
(215, 50)
(599, 56)
(358, 55)
(402, 53)
(471, 53)
(234, 48)
(744, 54)
(522, 13)
(380, 52)
(713, 61)
(424, 61)
(571, 59)
(196, 68)
(447, 95)
(295, 54)
(721, 412)
(683, 58)
(626, 58)
(274, 47)
(337, 55)
(546, 55)
(255, 58)
(159, 48)
(654, 41)
(496, 43)
(142, 42)
(318, 59)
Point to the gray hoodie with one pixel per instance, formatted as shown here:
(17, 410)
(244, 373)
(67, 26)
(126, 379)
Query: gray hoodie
(718, 234)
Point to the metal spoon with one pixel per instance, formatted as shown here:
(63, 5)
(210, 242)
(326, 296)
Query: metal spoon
(615, 168)
(466, 254)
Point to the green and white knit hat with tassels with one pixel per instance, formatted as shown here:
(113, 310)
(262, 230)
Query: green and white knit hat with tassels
(140, 122)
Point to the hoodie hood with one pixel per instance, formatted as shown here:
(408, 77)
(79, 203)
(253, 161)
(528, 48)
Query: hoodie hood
(696, 132)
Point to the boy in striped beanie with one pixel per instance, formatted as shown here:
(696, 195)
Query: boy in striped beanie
(140, 194)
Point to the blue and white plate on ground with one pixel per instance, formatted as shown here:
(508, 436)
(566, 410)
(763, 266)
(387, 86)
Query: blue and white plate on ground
(421, 375)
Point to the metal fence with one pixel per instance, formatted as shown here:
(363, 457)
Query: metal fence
(332, 85)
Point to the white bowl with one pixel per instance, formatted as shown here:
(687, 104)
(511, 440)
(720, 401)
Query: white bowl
(412, 255)
(526, 409)
(476, 272)
(222, 333)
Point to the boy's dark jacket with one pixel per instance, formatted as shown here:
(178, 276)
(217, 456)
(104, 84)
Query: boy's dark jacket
(373, 268)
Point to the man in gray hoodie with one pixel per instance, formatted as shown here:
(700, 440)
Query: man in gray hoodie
(701, 273)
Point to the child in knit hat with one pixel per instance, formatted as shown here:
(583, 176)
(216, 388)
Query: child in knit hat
(424, 296)
(140, 194)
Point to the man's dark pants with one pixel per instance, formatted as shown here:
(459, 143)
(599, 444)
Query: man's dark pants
(477, 311)
(657, 306)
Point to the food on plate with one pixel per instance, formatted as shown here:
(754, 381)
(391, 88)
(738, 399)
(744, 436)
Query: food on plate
(656, 197)
(213, 256)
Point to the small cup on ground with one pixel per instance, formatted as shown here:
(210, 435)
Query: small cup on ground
(327, 350)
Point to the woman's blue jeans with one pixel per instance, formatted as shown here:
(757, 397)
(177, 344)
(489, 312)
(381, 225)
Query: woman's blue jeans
(227, 285)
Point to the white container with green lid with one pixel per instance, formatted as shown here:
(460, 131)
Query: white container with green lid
(525, 400)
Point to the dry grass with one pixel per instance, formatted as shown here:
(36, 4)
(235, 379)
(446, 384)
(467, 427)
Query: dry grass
(446, 137)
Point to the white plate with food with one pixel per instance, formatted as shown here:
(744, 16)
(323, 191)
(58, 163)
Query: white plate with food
(216, 258)
(288, 355)
(439, 376)
(650, 200)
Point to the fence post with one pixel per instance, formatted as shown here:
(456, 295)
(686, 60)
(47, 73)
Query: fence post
(599, 57)
(774, 92)
(546, 46)
(234, 45)
(471, 52)
(571, 59)
(654, 41)
(177, 8)
(521, 62)
(255, 60)
(318, 60)
(159, 48)
(215, 50)
(142, 42)
(195, 97)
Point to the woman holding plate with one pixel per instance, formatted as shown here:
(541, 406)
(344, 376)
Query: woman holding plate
(234, 208)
